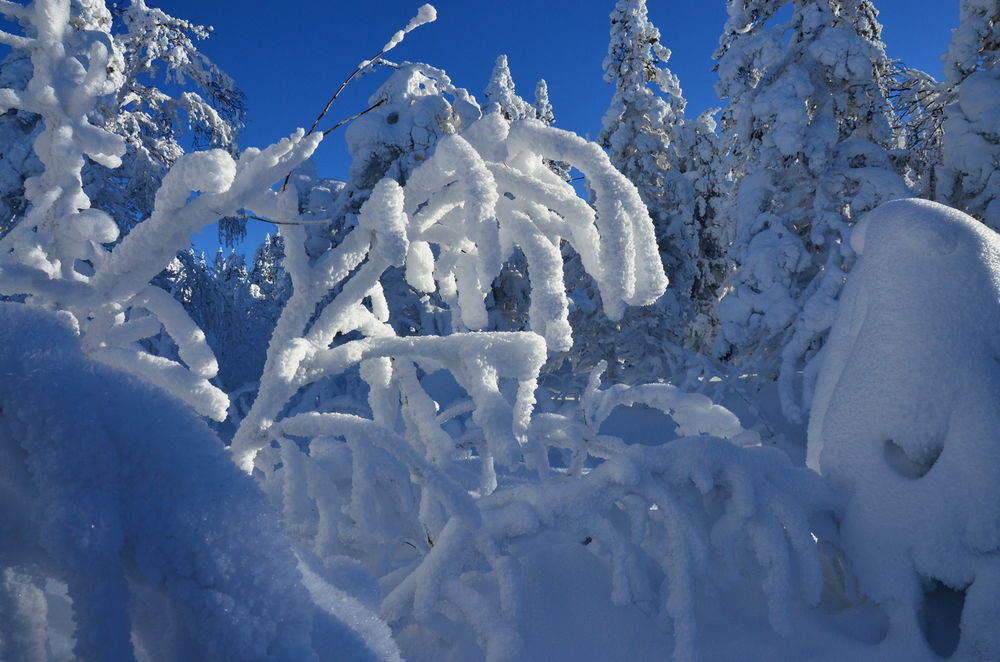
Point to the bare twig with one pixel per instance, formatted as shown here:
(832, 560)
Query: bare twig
(425, 14)
(251, 217)
(354, 116)
(361, 67)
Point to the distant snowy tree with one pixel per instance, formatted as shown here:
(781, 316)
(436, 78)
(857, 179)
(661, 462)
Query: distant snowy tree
(501, 96)
(971, 142)
(700, 158)
(542, 105)
(808, 131)
(267, 274)
(545, 114)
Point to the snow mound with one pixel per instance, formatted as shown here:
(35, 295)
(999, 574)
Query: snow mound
(906, 425)
(119, 494)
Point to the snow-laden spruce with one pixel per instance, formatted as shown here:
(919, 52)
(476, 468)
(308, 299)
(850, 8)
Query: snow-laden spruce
(808, 130)
(905, 426)
(501, 97)
(970, 178)
(649, 140)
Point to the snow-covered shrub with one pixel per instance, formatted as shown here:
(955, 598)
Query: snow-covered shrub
(438, 482)
(906, 427)
(58, 252)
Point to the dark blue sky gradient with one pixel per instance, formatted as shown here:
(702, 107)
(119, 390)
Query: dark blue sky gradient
(289, 56)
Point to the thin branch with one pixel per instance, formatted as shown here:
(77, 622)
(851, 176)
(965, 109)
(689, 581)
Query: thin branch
(353, 117)
(251, 217)
(14, 41)
(339, 124)
(425, 14)
(274, 222)
(361, 67)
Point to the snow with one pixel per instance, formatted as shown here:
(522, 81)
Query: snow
(904, 423)
(426, 14)
(386, 479)
(136, 507)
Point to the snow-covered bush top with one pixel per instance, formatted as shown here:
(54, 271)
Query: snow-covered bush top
(905, 422)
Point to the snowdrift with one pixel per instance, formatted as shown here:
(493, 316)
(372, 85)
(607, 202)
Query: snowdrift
(122, 509)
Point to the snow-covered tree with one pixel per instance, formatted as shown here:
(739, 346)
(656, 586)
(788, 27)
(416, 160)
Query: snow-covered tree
(808, 130)
(542, 105)
(700, 158)
(970, 177)
(436, 486)
(673, 162)
(501, 96)
(267, 274)
(638, 132)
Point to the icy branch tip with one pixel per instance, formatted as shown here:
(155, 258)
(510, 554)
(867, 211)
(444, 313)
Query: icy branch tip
(426, 14)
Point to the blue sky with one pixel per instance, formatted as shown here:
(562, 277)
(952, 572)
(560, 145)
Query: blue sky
(289, 56)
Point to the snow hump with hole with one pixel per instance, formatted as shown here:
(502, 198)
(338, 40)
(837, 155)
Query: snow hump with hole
(906, 423)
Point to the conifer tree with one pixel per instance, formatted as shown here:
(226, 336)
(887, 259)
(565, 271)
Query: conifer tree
(642, 125)
(501, 96)
(971, 139)
(808, 131)
(542, 105)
